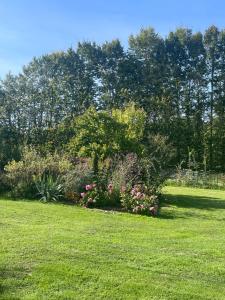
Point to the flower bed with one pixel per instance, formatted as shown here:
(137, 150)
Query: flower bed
(137, 199)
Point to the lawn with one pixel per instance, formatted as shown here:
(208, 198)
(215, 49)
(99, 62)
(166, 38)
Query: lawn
(55, 251)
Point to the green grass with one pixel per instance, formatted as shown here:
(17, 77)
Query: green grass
(53, 251)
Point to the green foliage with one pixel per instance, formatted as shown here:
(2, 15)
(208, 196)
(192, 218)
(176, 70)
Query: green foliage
(10, 144)
(199, 179)
(126, 172)
(134, 121)
(100, 134)
(75, 179)
(155, 163)
(97, 135)
(49, 188)
(125, 188)
(94, 195)
(81, 98)
(139, 200)
(53, 176)
(131, 170)
(50, 139)
(21, 175)
(4, 184)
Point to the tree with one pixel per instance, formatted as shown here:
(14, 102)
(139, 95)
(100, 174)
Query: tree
(178, 81)
(212, 47)
(133, 120)
(99, 135)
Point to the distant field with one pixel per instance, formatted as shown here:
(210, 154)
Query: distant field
(54, 251)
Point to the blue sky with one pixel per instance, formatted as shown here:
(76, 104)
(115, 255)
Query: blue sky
(31, 28)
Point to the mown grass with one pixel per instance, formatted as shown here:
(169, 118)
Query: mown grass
(53, 251)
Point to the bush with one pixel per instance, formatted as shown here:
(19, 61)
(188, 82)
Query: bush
(91, 196)
(95, 196)
(139, 200)
(132, 170)
(134, 184)
(126, 172)
(74, 180)
(21, 175)
(4, 184)
(155, 162)
(49, 188)
(128, 182)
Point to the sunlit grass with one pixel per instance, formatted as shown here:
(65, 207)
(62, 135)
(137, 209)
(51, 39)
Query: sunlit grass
(53, 251)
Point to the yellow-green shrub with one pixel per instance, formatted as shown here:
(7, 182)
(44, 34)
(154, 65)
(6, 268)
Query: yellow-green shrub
(21, 175)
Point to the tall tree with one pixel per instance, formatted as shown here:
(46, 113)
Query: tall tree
(212, 48)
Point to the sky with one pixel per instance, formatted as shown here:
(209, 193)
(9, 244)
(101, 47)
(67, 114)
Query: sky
(31, 28)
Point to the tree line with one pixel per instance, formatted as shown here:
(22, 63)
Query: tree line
(179, 80)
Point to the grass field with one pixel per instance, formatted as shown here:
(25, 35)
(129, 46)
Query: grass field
(53, 251)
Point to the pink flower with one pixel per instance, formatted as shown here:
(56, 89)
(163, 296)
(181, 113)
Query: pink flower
(139, 195)
(83, 195)
(93, 185)
(88, 187)
(133, 192)
(110, 186)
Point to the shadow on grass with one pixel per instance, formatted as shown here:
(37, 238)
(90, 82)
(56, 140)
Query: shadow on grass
(186, 201)
(35, 200)
(4, 276)
(197, 202)
(170, 200)
(7, 291)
